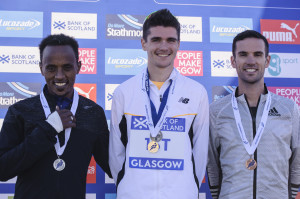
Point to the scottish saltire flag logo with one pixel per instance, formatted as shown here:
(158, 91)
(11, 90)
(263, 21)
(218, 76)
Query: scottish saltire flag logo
(59, 25)
(19, 59)
(4, 59)
(139, 123)
(109, 90)
(78, 25)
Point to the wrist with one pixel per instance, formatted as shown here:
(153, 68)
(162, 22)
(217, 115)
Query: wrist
(55, 121)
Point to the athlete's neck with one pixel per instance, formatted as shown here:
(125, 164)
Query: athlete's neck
(252, 93)
(159, 74)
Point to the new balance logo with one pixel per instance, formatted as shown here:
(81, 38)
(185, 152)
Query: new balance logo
(184, 100)
(273, 112)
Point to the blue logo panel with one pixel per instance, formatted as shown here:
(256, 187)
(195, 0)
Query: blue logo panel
(139, 123)
(124, 61)
(223, 30)
(21, 24)
(123, 26)
(12, 92)
(156, 163)
(174, 124)
(170, 124)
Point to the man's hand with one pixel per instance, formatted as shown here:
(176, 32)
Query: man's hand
(67, 118)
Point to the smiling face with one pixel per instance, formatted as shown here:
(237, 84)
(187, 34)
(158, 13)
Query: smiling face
(250, 61)
(59, 67)
(162, 45)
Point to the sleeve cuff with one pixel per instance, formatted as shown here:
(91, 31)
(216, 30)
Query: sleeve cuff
(55, 121)
(294, 190)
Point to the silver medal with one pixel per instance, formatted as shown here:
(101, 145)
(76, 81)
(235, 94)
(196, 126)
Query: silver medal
(59, 164)
(157, 138)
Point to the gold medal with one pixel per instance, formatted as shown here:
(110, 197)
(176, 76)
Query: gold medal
(251, 164)
(153, 147)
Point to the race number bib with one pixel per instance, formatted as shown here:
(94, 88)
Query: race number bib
(170, 155)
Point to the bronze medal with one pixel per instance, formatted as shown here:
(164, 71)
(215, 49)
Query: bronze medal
(251, 164)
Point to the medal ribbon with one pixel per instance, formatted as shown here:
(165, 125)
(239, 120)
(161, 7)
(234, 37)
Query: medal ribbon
(262, 124)
(156, 116)
(60, 149)
(155, 121)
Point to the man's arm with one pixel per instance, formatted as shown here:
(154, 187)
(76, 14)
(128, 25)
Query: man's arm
(19, 152)
(214, 172)
(294, 174)
(101, 146)
(200, 137)
(116, 146)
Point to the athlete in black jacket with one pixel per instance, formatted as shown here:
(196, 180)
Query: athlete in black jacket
(48, 167)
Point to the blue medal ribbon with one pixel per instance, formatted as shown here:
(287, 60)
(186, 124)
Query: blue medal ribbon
(156, 116)
(63, 102)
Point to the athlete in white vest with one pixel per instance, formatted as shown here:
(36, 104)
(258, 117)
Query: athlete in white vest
(159, 123)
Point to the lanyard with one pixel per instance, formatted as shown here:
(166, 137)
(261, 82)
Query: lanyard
(60, 149)
(156, 116)
(262, 124)
(155, 121)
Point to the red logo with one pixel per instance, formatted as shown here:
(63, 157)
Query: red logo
(281, 31)
(292, 93)
(88, 58)
(91, 174)
(87, 90)
(189, 63)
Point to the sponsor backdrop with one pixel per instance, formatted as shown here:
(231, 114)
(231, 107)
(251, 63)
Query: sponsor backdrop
(109, 34)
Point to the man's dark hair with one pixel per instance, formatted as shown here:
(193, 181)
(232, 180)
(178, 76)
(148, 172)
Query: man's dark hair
(163, 18)
(59, 40)
(249, 34)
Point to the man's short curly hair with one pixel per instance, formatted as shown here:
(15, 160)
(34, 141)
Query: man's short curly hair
(59, 40)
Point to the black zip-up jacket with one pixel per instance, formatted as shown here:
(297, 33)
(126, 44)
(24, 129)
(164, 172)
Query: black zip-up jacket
(27, 149)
